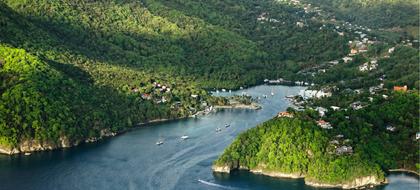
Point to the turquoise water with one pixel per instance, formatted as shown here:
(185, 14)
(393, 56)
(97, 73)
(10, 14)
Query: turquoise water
(133, 161)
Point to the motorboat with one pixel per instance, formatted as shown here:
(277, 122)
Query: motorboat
(160, 142)
(184, 137)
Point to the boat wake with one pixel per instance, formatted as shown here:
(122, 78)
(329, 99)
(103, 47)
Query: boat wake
(214, 184)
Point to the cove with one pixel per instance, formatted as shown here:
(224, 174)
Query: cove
(133, 160)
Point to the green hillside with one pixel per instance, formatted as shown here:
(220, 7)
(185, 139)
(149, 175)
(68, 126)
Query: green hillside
(374, 13)
(299, 146)
(96, 65)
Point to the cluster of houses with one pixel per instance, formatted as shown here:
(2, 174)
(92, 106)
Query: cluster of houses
(265, 17)
(339, 145)
(324, 124)
(306, 94)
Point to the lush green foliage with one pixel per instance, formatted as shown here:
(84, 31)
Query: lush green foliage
(295, 146)
(91, 65)
(374, 13)
(45, 101)
(206, 40)
(401, 68)
(299, 146)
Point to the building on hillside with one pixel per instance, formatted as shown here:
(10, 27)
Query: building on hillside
(321, 111)
(368, 66)
(300, 24)
(334, 62)
(335, 108)
(356, 105)
(285, 114)
(391, 128)
(391, 50)
(347, 59)
(323, 124)
(344, 150)
(146, 96)
(314, 93)
(353, 51)
(134, 89)
(262, 17)
(339, 136)
(401, 88)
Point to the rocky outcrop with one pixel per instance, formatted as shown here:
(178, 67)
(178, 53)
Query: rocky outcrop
(221, 169)
(27, 146)
(278, 174)
(366, 181)
(8, 150)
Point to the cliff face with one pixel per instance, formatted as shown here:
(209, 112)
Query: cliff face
(356, 183)
(63, 142)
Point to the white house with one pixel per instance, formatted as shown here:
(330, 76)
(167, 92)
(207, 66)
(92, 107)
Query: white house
(314, 94)
(335, 108)
(347, 59)
(391, 50)
(321, 111)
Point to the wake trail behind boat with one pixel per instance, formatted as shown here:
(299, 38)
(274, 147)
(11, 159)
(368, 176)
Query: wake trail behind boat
(214, 184)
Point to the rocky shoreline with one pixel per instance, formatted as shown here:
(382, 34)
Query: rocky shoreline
(361, 182)
(31, 145)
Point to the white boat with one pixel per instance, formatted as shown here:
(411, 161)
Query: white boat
(227, 125)
(185, 137)
(272, 93)
(218, 129)
(27, 154)
(264, 96)
(159, 142)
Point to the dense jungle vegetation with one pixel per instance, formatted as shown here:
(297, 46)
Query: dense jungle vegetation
(298, 146)
(73, 68)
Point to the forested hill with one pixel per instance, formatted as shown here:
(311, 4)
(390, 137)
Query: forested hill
(219, 44)
(374, 13)
(79, 70)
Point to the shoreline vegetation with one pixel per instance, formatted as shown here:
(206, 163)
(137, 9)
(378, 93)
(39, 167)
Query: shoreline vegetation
(29, 146)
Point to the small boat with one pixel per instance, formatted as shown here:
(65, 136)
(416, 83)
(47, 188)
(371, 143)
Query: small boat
(218, 129)
(185, 137)
(227, 125)
(159, 143)
(272, 93)
(27, 154)
(264, 96)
